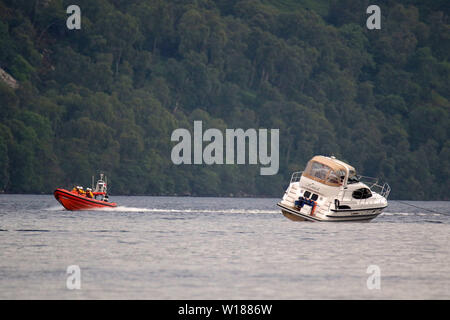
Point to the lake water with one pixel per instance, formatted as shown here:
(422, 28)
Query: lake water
(218, 248)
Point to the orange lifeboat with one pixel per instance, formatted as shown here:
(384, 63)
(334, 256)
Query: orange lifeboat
(76, 200)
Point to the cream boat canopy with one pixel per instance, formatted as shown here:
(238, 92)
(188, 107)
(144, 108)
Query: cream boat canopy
(329, 171)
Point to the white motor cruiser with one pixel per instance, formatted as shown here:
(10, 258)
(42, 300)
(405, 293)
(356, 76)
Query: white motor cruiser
(330, 190)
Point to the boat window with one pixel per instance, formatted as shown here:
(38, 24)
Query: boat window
(353, 179)
(319, 170)
(362, 193)
(333, 178)
(341, 175)
(323, 173)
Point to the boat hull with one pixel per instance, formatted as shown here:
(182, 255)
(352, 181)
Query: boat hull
(73, 201)
(295, 215)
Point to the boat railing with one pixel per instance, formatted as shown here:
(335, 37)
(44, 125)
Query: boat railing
(383, 190)
(375, 185)
(367, 180)
(296, 176)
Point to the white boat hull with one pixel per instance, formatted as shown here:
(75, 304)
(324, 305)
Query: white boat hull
(331, 216)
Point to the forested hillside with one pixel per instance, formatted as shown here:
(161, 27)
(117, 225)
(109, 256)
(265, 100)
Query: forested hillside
(108, 96)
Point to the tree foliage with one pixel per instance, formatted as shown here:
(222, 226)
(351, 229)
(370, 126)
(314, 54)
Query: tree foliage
(108, 96)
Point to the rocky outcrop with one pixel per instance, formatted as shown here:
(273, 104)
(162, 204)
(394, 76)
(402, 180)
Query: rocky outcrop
(8, 79)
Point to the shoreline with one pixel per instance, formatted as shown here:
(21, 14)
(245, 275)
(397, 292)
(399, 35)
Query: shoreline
(201, 196)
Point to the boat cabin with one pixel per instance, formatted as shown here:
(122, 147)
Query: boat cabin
(100, 187)
(329, 171)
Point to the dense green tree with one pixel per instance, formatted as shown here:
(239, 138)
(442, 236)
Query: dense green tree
(107, 97)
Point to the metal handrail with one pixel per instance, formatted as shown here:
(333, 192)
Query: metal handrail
(373, 184)
(376, 186)
(382, 190)
(296, 176)
(385, 190)
(367, 180)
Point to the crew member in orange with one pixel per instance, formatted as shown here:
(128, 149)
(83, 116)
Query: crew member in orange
(89, 193)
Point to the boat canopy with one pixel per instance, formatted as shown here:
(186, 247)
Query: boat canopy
(329, 171)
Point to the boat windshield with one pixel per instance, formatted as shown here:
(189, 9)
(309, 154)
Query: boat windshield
(352, 177)
(324, 174)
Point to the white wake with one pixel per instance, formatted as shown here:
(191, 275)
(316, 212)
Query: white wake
(173, 210)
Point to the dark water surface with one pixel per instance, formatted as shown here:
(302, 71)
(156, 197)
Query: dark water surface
(218, 248)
